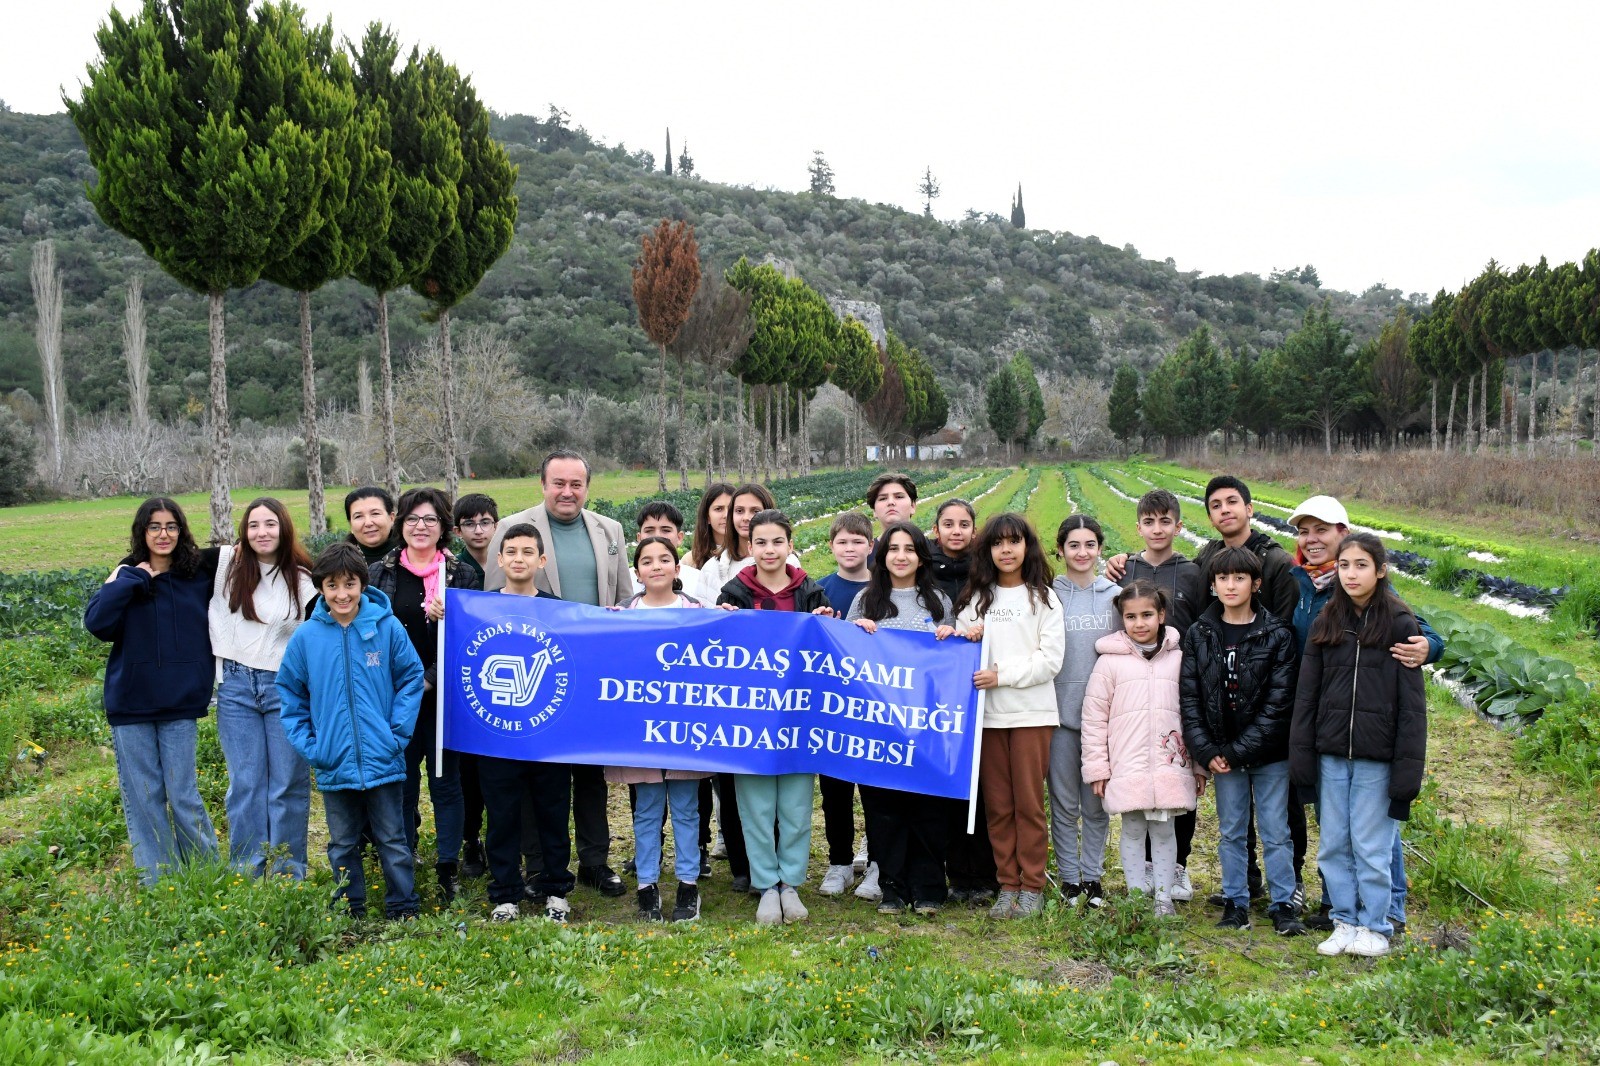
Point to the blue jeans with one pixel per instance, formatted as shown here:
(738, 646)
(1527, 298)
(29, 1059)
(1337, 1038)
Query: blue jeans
(1397, 876)
(1270, 785)
(380, 811)
(449, 805)
(167, 822)
(269, 784)
(1357, 840)
(654, 797)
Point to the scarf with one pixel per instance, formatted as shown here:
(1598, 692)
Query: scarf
(430, 575)
(1322, 576)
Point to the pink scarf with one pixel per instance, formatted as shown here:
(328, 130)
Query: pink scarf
(430, 575)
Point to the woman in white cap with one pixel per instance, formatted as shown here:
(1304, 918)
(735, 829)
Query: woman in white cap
(1321, 522)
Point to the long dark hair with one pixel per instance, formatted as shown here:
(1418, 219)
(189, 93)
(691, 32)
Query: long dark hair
(185, 556)
(739, 547)
(677, 584)
(1372, 626)
(244, 572)
(983, 577)
(876, 603)
(705, 538)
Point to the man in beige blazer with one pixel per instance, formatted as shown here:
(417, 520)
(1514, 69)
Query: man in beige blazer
(588, 563)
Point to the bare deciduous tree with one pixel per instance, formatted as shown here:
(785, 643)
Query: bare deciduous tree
(1076, 412)
(715, 335)
(47, 300)
(491, 398)
(137, 355)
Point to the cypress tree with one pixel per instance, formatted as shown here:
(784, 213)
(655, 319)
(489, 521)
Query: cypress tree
(1123, 404)
(1004, 405)
(1019, 218)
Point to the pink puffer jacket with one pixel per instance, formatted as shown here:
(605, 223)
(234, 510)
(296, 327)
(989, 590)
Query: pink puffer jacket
(1132, 730)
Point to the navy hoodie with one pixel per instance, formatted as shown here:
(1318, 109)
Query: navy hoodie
(160, 668)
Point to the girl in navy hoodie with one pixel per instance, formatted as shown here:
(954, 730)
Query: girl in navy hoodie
(152, 611)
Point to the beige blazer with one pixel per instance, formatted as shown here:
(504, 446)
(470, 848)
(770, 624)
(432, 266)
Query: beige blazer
(610, 555)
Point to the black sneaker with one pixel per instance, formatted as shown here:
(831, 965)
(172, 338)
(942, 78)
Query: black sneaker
(1234, 917)
(686, 908)
(1093, 894)
(603, 878)
(472, 859)
(1298, 898)
(1399, 930)
(1286, 920)
(1071, 894)
(630, 867)
(650, 903)
(926, 907)
(981, 897)
(1217, 899)
(891, 904)
(705, 865)
(1322, 921)
(959, 896)
(740, 886)
(448, 880)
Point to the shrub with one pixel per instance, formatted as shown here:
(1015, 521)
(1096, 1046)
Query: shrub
(18, 448)
(1450, 573)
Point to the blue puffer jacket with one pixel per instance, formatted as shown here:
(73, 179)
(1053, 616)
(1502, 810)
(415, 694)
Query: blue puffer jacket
(160, 668)
(351, 694)
(1312, 600)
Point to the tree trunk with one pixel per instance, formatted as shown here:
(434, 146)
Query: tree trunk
(1483, 406)
(1433, 416)
(1469, 434)
(391, 448)
(221, 432)
(133, 343)
(661, 424)
(447, 387)
(1327, 437)
(308, 417)
(683, 421)
(713, 430)
(1533, 405)
(1450, 418)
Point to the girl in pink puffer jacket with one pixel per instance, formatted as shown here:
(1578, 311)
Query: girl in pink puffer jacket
(1133, 750)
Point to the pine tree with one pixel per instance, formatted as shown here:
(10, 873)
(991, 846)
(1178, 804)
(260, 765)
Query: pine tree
(1019, 217)
(821, 175)
(1005, 407)
(685, 162)
(1123, 404)
(928, 187)
(1032, 396)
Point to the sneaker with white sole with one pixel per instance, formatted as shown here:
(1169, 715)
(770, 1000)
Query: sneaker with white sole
(1343, 936)
(1149, 879)
(1164, 908)
(1368, 945)
(1094, 893)
(868, 888)
(1005, 905)
(719, 847)
(557, 909)
(1029, 904)
(770, 910)
(504, 912)
(1182, 889)
(790, 906)
(859, 862)
(837, 881)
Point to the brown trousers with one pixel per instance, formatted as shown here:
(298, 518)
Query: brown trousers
(1012, 776)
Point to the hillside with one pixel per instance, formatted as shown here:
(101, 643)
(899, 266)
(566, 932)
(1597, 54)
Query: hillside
(965, 292)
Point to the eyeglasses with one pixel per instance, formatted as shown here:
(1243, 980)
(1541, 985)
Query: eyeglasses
(157, 527)
(482, 523)
(426, 521)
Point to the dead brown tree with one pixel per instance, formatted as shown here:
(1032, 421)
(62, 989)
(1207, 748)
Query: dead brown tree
(665, 278)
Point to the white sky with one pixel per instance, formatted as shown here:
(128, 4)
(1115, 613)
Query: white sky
(1397, 142)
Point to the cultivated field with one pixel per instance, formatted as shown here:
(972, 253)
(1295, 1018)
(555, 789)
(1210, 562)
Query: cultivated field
(1504, 860)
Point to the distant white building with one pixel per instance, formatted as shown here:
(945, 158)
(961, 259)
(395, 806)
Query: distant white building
(945, 444)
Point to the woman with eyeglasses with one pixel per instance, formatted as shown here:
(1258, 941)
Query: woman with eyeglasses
(414, 577)
(152, 611)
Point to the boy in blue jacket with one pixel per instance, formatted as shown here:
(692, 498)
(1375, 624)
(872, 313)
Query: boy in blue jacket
(351, 686)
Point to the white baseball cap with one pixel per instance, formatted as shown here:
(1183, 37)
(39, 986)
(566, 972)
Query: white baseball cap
(1324, 509)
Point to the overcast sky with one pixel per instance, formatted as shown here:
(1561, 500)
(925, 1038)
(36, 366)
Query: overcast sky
(1402, 143)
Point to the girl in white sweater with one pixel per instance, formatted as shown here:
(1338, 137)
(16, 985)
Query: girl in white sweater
(262, 591)
(1008, 597)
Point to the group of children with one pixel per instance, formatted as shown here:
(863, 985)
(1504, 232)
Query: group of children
(1120, 686)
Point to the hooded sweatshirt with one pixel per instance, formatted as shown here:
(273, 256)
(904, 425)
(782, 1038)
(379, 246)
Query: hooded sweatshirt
(802, 594)
(1087, 614)
(1279, 591)
(1180, 579)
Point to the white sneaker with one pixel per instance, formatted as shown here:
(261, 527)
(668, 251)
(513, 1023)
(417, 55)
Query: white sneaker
(719, 847)
(859, 863)
(1164, 908)
(789, 903)
(1343, 936)
(557, 909)
(1182, 890)
(868, 888)
(1149, 878)
(1368, 945)
(837, 881)
(770, 910)
(505, 912)
(1005, 905)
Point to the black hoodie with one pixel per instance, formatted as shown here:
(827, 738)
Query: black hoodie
(950, 572)
(1279, 592)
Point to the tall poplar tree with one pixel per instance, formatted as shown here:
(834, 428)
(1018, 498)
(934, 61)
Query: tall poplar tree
(486, 217)
(201, 161)
(424, 146)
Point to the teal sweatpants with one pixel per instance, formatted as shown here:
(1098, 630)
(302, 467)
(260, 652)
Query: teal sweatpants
(783, 801)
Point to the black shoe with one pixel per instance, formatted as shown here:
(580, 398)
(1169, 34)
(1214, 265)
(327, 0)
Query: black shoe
(1234, 917)
(448, 880)
(1071, 894)
(603, 878)
(1093, 894)
(926, 907)
(1322, 921)
(981, 897)
(650, 903)
(686, 908)
(1399, 930)
(958, 896)
(401, 916)
(1286, 920)
(705, 865)
(741, 885)
(891, 904)
(630, 867)
(1298, 898)
(1217, 899)
(536, 897)
(472, 859)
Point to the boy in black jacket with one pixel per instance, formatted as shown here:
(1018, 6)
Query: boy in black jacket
(1237, 696)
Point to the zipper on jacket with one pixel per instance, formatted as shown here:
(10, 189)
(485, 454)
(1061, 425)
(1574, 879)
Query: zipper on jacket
(1355, 679)
(350, 703)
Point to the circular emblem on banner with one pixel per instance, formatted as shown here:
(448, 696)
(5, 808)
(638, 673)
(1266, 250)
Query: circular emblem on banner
(515, 679)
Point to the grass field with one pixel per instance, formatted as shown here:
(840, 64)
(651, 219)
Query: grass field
(209, 967)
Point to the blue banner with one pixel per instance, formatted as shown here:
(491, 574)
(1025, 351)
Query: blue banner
(755, 692)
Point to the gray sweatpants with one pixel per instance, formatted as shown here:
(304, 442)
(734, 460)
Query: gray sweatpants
(1072, 801)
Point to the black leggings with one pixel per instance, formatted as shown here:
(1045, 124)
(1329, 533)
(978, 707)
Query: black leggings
(839, 819)
(1183, 825)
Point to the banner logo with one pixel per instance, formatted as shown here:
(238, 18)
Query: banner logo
(508, 689)
(513, 679)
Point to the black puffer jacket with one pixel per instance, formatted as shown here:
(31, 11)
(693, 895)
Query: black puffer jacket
(1267, 664)
(385, 576)
(950, 574)
(807, 598)
(1360, 703)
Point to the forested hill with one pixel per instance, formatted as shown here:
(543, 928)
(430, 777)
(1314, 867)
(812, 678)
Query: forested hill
(967, 293)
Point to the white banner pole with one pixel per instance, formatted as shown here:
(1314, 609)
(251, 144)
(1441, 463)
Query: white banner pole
(438, 684)
(977, 739)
